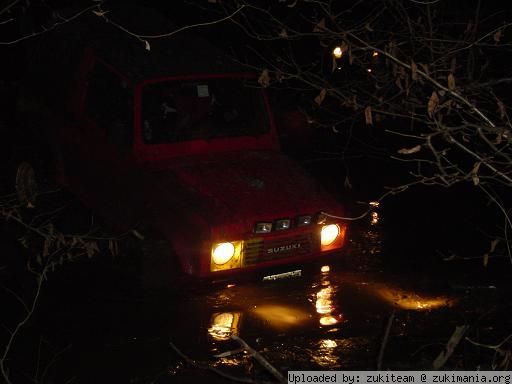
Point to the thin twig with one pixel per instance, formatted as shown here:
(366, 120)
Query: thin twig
(260, 359)
(52, 27)
(7, 348)
(214, 369)
(385, 340)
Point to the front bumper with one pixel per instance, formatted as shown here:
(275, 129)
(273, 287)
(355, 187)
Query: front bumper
(271, 250)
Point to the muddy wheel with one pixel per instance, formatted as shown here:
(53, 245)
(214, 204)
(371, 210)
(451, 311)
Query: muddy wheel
(26, 184)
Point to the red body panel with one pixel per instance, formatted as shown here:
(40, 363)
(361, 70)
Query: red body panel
(195, 193)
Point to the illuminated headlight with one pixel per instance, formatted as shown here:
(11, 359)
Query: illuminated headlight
(263, 228)
(329, 234)
(282, 224)
(222, 253)
(226, 255)
(303, 220)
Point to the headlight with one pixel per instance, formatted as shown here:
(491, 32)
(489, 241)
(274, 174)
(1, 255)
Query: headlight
(329, 234)
(263, 227)
(282, 224)
(226, 255)
(222, 253)
(303, 220)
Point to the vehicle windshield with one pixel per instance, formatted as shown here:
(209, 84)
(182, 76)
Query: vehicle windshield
(176, 111)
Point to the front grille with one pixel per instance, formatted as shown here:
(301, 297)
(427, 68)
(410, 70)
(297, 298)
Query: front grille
(259, 250)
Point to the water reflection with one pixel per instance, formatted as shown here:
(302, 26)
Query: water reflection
(224, 325)
(280, 316)
(374, 218)
(325, 300)
(325, 355)
(411, 300)
(324, 304)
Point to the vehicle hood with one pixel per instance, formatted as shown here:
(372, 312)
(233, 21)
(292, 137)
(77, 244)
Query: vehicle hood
(252, 186)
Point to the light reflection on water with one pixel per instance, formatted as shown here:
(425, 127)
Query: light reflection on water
(280, 316)
(332, 309)
(326, 355)
(374, 218)
(224, 325)
(325, 303)
(410, 300)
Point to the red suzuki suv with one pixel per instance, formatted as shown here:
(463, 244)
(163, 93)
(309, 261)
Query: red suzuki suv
(180, 141)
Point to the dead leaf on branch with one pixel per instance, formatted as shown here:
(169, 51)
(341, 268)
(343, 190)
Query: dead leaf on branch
(113, 247)
(347, 183)
(497, 36)
(485, 260)
(414, 69)
(501, 108)
(433, 103)
(451, 82)
(424, 67)
(494, 243)
(91, 247)
(474, 173)
(447, 104)
(100, 13)
(264, 79)
(320, 27)
(368, 115)
(147, 46)
(409, 151)
(321, 96)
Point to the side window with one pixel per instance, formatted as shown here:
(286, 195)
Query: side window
(109, 103)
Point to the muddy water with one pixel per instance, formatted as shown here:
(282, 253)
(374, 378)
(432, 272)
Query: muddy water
(334, 317)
